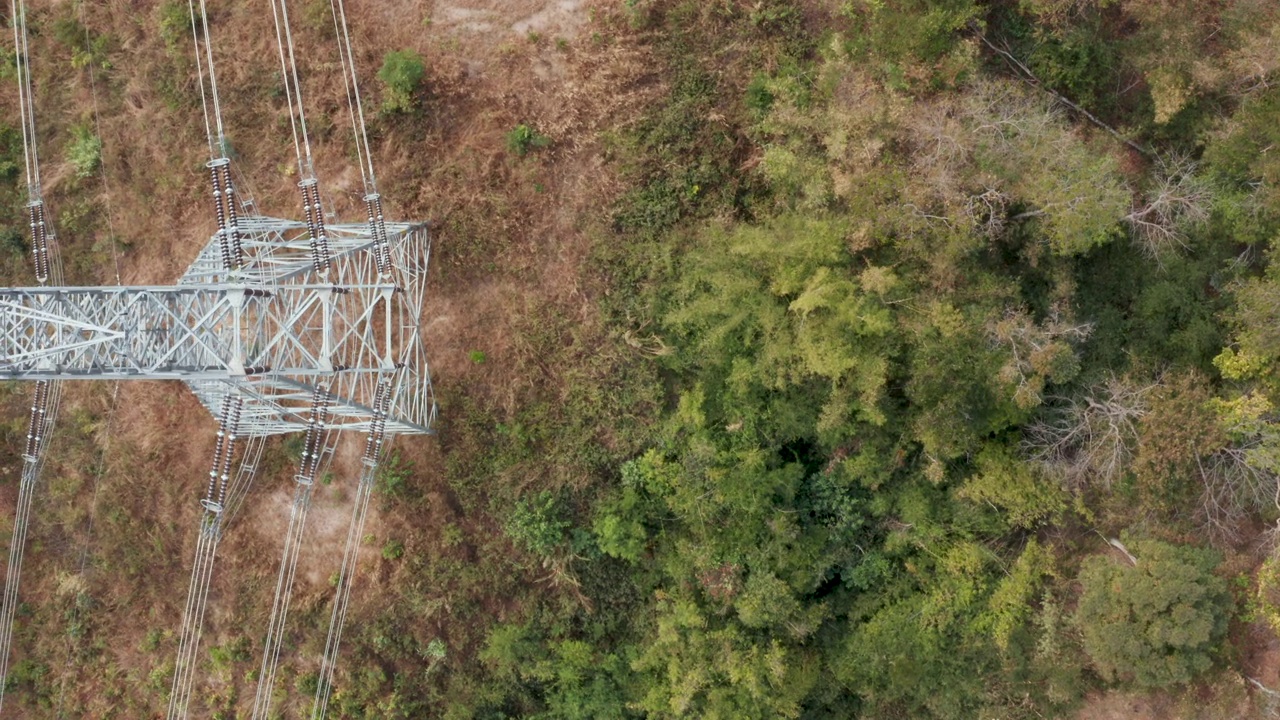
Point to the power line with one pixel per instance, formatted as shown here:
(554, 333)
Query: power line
(255, 324)
(314, 450)
(210, 533)
(360, 133)
(355, 106)
(26, 98)
(47, 395)
(44, 408)
(374, 444)
(312, 210)
(204, 101)
(292, 88)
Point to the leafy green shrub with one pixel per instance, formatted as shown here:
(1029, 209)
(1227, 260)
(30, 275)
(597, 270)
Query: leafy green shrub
(1079, 63)
(12, 241)
(1175, 438)
(236, 651)
(1159, 622)
(435, 650)
(915, 42)
(152, 641)
(175, 26)
(10, 152)
(1022, 493)
(524, 138)
(307, 683)
(620, 536)
(538, 523)
(759, 97)
(292, 446)
(1238, 153)
(219, 656)
(393, 476)
(401, 74)
(85, 151)
(393, 550)
(86, 46)
(31, 677)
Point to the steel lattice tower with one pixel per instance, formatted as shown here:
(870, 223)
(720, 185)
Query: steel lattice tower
(269, 332)
(278, 326)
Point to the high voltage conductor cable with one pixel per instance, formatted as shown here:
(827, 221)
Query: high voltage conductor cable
(213, 82)
(313, 449)
(311, 208)
(289, 74)
(360, 131)
(35, 187)
(214, 131)
(44, 407)
(204, 100)
(17, 548)
(26, 99)
(288, 87)
(250, 458)
(354, 104)
(46, 398)
(210, 534)
(374, 444)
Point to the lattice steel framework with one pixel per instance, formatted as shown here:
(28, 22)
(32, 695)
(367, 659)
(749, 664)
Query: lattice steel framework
(268, 332)
(277, 326)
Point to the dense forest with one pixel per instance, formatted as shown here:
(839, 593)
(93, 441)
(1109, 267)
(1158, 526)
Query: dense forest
(959, 333)
(922, 360)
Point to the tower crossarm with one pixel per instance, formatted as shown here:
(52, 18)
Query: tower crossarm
(188, 332)
(269, 331)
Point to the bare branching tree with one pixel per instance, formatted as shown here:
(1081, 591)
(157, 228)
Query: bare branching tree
(1238, 480)
(1091, 439)
(942, 146)
(1038, 352)
(947, 132)
(1006, 114)
(1178, 201)
(988, 212)
(1232, 489)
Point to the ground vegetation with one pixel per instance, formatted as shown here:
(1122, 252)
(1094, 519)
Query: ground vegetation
(795, 358)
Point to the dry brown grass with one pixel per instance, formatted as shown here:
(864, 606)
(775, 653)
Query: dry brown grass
(511, 238)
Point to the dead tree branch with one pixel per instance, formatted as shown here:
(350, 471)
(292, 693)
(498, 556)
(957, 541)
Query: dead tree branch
(1025, 74)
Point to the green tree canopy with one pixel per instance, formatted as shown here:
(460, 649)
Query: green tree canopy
(401, 74)
(1158, 623)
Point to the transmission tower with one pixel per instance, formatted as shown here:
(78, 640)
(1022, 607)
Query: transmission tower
(267, 332)
(278, 326)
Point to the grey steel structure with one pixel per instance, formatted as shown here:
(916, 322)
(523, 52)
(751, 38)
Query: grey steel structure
(277, 326)
(268, 332)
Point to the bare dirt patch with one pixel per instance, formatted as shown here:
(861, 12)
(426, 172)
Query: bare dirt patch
(502, 20)
(268, 512)
(1123, 706)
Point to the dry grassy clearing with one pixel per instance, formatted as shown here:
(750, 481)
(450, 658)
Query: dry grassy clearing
(510, 239)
